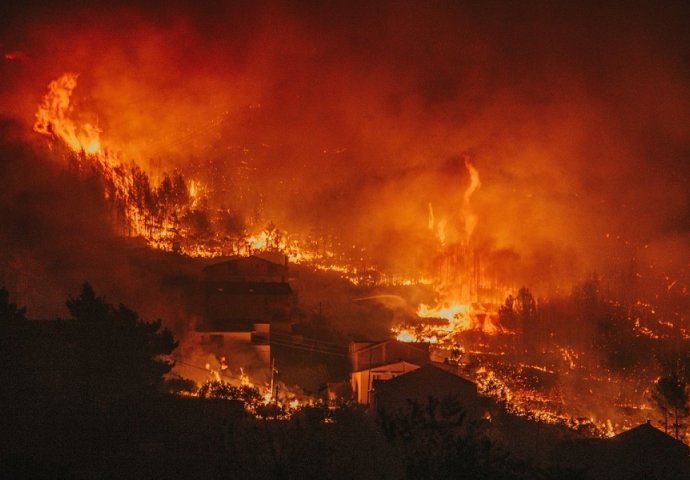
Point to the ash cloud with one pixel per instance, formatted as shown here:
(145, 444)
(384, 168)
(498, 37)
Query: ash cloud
(351, 117)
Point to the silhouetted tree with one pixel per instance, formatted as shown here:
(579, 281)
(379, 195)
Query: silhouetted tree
(9, 312)
(16, 364)
(620, 347)
(115, 352)
(218, 389)
(670, 394)
(506, 314)
(180, 385)
(435, 441)
(232, 229)
(519, 313)
(525, 306)
(589, 308)
(197, 226)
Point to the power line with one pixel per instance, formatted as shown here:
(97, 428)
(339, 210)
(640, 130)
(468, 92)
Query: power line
(310, 349)
(284, 335)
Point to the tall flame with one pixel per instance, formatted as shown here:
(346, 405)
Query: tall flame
(52, 117)
(467, 212)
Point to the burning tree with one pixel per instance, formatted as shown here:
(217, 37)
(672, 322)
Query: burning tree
(248, 394)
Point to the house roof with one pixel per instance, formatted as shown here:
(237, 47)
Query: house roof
(430, 372)
(645, 436)
(240, 259)
(363, 346)
(425, 382)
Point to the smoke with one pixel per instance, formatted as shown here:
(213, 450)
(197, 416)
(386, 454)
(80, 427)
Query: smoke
(353, 118)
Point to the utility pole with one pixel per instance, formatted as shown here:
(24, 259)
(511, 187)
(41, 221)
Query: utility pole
(273, 369)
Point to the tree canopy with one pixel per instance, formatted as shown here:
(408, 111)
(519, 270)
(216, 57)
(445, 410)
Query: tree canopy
(117, 353)
(9, 312)
(670, 394)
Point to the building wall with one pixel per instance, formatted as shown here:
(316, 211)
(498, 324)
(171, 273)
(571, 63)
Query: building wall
(363, 381)
(431, 381)
(238, 349)
(364, 356)
(221, 307)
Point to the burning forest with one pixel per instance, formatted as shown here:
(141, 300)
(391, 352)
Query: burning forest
(504, 186)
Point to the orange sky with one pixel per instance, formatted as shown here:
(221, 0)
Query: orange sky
(354, 117)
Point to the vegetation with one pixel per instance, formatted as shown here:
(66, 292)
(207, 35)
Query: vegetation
(434, 440)
(82, 398)
(670, 395)
(114, 352)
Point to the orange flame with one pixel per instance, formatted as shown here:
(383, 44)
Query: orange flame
(470, 217)
(52, 117)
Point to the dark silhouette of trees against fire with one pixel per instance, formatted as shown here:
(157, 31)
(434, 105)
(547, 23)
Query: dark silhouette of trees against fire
(9, 312)
(83, 399)
(12, 320)
(434, 439)
(66, 381)
(104, 353)
(520, 314)
(670, 396)
(116, 353)
(671, 392)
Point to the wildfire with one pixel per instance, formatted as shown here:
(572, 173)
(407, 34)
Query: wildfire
(530, 403)
(454, 308)
(172, 215)
(451, 313)
(275, 400)
(53, 117)
(469, 215)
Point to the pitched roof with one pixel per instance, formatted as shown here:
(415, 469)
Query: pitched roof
(645, 436)
(240, 259)
(429, 372)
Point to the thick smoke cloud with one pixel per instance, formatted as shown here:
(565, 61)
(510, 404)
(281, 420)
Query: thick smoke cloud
(354, 117)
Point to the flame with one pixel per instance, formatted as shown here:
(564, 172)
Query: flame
(53, 117)
(432, 220)
(153, 212)
(264, 400)
(129, 188)
(470, 217)
(407, 335)
(450, 313)
(438, 227)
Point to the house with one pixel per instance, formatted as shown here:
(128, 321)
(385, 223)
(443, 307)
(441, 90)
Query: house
(244, 299)
(243, 291)
(431, 380)
(378, 361)
(641, 452)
